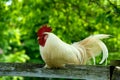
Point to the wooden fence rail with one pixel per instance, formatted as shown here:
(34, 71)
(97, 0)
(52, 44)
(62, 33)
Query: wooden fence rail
(70, 71)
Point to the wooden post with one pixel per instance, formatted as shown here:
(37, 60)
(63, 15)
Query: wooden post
(115, 70)
(70, 71)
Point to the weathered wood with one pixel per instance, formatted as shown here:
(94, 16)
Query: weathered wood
(116, 73)
(70, 71)
(115, 70)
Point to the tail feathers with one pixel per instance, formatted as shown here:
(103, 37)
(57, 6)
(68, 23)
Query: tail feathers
(100, 36)
(105, 51)
(94, 46)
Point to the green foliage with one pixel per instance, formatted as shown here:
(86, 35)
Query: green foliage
(17, 57)
(11, 78)
(71, 20)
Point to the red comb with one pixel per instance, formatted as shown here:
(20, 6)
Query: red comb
(43, 29)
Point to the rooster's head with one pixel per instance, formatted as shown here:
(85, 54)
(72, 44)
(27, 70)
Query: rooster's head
(42, 37)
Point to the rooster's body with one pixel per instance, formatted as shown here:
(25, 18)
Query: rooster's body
(57, 53)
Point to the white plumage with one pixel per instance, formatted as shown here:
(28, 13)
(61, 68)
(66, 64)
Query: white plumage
(57, 53)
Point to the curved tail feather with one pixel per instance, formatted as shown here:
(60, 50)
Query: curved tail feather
(105, 51)
(94, 46)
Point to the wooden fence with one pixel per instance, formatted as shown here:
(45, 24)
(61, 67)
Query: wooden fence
(81, 72)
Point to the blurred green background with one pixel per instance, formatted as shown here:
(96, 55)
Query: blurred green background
(71, 20)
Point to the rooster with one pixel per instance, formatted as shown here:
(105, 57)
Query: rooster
(57, 54)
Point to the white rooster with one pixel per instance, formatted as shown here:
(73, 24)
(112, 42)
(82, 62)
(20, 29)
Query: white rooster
(57, 53)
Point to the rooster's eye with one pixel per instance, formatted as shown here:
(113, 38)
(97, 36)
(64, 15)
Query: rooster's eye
(45, 37)
(38, 38)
